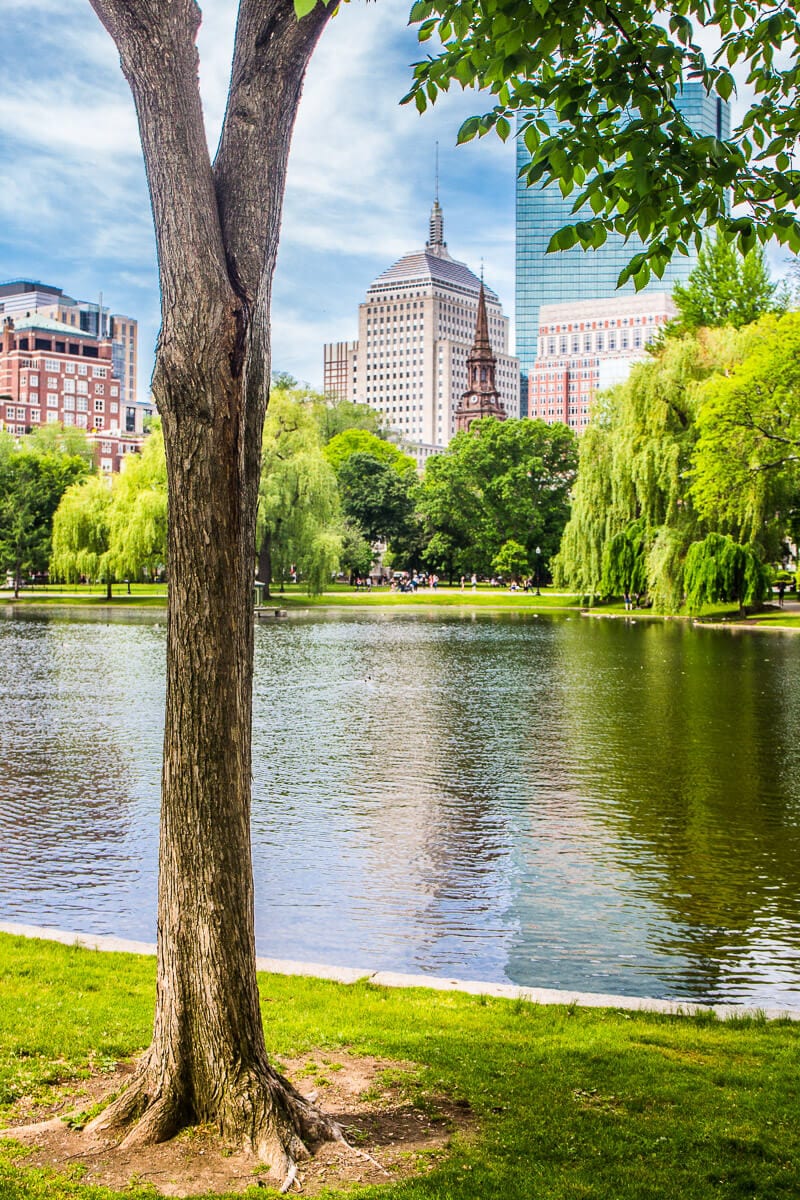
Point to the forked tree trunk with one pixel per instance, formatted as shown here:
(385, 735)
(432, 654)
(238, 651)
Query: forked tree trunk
(217, 233)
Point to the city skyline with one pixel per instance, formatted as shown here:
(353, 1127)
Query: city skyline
(75, 211)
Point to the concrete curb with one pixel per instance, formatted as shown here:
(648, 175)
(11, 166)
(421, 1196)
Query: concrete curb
(507, 991)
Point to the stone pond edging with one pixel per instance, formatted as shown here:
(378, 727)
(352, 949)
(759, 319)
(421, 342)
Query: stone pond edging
(507, 991)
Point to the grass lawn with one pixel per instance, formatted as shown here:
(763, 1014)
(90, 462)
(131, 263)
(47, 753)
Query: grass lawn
(570, 1103)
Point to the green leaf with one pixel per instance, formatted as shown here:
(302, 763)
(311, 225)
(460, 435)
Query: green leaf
(303, 7)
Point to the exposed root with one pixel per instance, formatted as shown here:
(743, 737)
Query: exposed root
(289, 1180)
(259, 1110)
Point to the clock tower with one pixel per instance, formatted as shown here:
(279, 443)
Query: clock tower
(481, 398)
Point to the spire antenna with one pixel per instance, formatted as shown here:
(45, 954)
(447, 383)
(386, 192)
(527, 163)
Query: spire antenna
(436, 176)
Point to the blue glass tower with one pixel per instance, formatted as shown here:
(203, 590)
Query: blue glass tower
(578, 274)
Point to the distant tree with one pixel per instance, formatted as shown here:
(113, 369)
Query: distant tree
(375, 496)
(138, 517)
(625, 561)
(356, 554)
(511, 561)
(720, 569)
(726, 288)
(282, 381)
(31, 487)
(335, 416)
(61, 439)
(298, 514)
(634, 467)
(746, 464)
(363, 441)
(81, 533)
(500, 481)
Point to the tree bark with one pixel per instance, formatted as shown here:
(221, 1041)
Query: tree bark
(217, 234)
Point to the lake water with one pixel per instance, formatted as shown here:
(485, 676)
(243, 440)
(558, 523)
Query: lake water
(587, 804)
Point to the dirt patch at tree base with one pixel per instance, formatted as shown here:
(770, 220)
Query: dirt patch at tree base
(395, 1129)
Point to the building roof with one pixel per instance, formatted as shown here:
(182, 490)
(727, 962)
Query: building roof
(48, 325)
(433, 265)
(422, 266)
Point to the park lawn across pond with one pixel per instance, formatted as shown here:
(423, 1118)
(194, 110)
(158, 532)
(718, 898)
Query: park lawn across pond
(566, 1103)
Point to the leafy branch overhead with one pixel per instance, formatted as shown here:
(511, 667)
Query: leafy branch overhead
(593, 87)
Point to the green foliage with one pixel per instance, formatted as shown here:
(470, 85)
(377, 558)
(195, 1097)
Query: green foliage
(81, 529)
(298, 519)
(356, 553)
(376, 496)
(362, 441)
(718, 568)
(336, 416)
(633, 480)
(61, 439)
(511, 560)
(611, 75)
(500, 481)
(625, 561)
(33, 478)
(138, 519)
(746, 465)
(116, 528)
(726, 288)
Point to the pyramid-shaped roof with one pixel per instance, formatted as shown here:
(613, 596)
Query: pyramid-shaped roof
(433, 265)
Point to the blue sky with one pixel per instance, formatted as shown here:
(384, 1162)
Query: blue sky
(74, 210)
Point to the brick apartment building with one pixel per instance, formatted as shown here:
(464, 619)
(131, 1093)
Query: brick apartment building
(53, 372)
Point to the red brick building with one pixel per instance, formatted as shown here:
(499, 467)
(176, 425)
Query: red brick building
(51, 372)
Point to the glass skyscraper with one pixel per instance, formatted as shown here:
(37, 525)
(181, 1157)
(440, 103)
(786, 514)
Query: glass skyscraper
(578, 274)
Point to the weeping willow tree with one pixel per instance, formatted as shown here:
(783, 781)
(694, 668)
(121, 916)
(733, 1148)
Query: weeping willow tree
(81, 533)
(299, 522)
(720, 569)
(633, 516)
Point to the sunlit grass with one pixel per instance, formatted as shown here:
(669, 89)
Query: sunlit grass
(569, 1102)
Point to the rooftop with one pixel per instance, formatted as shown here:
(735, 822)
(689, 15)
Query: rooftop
(48, 325)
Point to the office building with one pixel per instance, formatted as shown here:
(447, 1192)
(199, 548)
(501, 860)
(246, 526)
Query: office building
(415, 330)
(588, 345)
(574, 275)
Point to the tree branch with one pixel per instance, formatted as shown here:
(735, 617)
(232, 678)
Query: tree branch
(271, 53)
(156, 43)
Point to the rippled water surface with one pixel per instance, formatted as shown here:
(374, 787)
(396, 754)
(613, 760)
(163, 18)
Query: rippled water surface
(559, 802)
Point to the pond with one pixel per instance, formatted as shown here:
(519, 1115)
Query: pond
(597, 805)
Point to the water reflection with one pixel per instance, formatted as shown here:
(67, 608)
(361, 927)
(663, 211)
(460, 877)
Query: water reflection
(560, 802)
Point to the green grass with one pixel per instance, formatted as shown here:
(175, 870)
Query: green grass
(343, 596)
(570, 1103)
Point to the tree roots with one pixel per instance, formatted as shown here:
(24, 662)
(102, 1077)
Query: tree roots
(256, 1109)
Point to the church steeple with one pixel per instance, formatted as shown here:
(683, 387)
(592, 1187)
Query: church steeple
(481, 399)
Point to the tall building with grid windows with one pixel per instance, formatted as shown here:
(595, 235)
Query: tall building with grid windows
(575, 275)
(415, 330)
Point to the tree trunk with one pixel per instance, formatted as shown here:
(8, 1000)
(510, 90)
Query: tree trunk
(265, 563)
(217, 234)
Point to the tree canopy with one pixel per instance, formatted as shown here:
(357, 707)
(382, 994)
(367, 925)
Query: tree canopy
(620, 145)
(500, 481)
(298, 521)
(33, 478)
(726, 288)
(701, 440)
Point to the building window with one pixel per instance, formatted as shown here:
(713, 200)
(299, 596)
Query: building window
(69, 401)
(83, 404)
(52, 417)
(83, 369)
(99, 406)
(81, 420)
(52, 399)
(51, 364)
(69, 368)
(83, 387)
(99, 389)
(99, 372)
